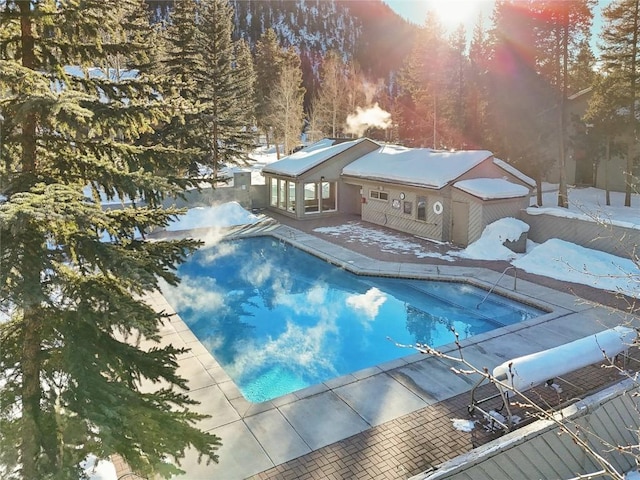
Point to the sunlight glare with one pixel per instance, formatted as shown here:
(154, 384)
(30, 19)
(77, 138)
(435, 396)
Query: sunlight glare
(452, 13)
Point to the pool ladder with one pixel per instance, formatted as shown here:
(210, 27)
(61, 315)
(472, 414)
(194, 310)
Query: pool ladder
(515, 282)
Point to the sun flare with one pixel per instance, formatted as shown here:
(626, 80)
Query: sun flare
(452, 13)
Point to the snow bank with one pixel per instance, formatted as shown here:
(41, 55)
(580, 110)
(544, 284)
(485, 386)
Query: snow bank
(490, 246)
(572, 263)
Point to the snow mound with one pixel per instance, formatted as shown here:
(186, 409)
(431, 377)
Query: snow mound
(490, 246)
(569, 262)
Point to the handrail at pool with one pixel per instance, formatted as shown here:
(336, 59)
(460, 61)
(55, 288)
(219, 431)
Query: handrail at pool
(515, 280)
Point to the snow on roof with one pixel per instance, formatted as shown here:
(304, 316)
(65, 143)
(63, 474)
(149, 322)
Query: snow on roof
(415, 166)
(492, 188)
(301, 161)
(514, 171)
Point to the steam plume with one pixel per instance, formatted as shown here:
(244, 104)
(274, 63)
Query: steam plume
(374, 116)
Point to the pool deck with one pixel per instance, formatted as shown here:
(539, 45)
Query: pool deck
(392, 421)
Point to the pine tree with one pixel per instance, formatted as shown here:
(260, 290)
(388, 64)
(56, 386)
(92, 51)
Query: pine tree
(246, 96)
(560, 25)
(183, 70)
(224, 90)
(621, 62)
(479, 134)
(606, 122)
(454, 92)
(69, 382)
(582, 70)
(268, 65)
(521, 102)
(423, 78)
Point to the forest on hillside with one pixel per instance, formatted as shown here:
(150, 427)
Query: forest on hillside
(508, 86)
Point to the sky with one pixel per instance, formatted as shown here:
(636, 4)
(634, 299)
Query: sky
(454, 12)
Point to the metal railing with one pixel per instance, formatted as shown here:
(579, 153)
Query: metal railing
(515, 282)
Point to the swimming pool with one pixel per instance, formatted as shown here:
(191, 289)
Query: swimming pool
(278, 319)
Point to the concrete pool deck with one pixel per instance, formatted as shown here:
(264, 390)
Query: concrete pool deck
(307, 433)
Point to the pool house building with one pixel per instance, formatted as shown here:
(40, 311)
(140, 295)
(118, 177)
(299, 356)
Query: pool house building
(446, 196)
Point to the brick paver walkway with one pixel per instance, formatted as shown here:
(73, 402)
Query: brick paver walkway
(426, 438)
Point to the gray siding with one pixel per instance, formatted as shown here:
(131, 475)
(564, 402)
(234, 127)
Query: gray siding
(539, 451)
(383, 212)
(349, 198)
(484, 212)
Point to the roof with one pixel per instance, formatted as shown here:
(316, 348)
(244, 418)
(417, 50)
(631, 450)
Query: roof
(491, 188)
(515, 172)
(415, 166)
(303, 160)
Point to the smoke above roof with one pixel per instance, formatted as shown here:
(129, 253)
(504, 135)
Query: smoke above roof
(359, 122)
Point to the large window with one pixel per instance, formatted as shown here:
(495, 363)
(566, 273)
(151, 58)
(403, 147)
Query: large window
(329, 197)
(311, 198)
(291, 199)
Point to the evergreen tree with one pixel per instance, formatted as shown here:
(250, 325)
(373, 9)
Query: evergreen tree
(560, 26)
(454, 94)
(521, 102)
(224, 90)
(606, 123)
(268, 65)
(70, 384)
(621, 62)
(183, 72)
(246, 71)
(582, 70)
(478, 133)
(423, 79)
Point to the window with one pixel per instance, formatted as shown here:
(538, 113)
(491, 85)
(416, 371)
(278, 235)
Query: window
(407, 207)
(378, 195)
(311, 198)
(329, 196)
(282, 194)
(291, 199)
(421, 210)
(274, 192)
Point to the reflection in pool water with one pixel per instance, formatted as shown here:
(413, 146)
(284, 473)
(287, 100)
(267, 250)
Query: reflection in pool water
(278, 319)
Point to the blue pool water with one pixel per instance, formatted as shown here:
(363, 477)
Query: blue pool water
(278, 319)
